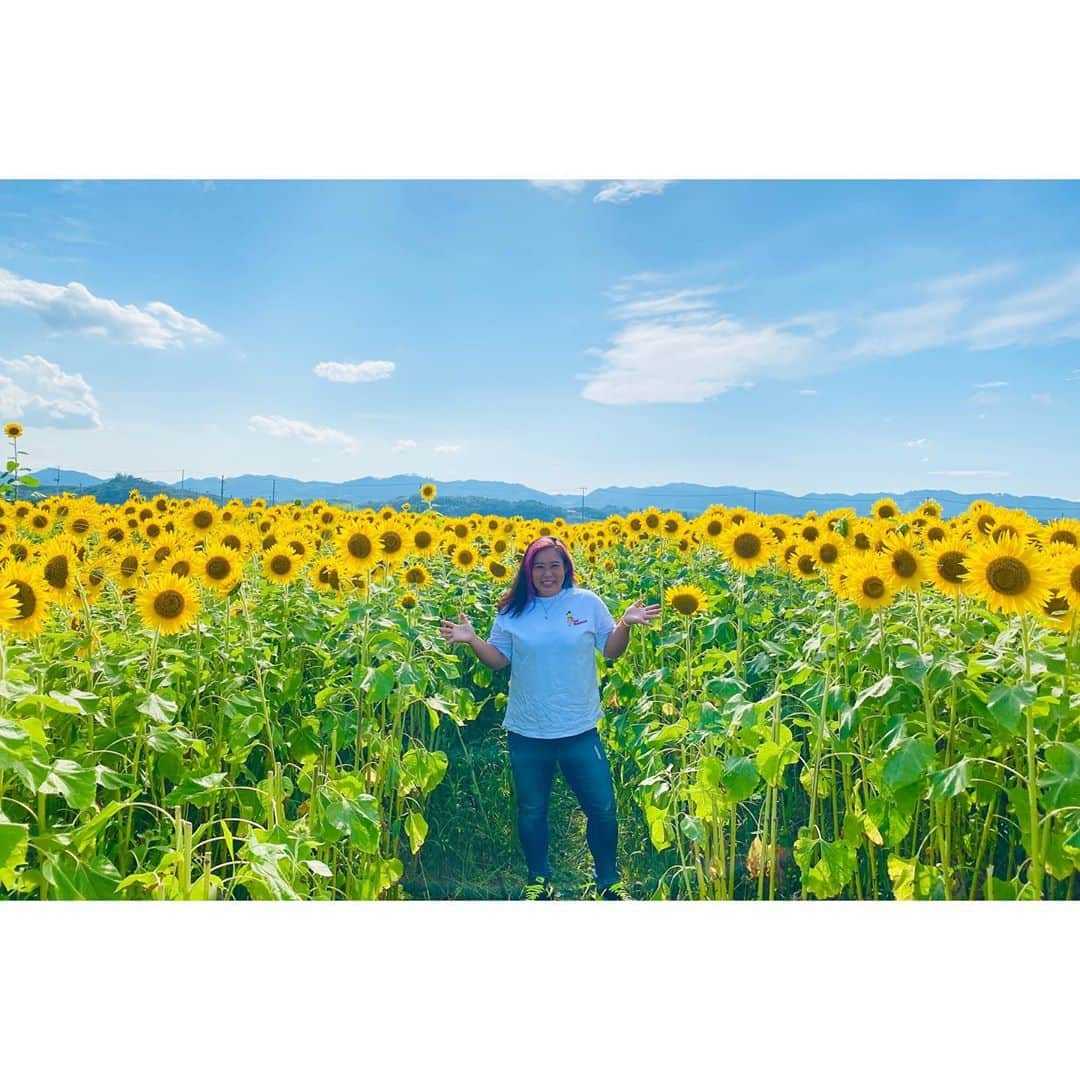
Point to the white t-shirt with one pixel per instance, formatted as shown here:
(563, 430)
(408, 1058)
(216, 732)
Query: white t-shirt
(552, 646)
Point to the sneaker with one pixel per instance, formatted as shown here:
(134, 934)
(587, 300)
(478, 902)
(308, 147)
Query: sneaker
(616, 891)
(540, 888)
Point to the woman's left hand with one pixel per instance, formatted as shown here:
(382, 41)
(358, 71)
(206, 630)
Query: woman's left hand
(638, 613)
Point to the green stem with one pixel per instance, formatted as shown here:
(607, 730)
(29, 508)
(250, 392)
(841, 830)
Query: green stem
(1035, 867)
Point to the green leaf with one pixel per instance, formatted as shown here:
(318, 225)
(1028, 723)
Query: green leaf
(740, 778)
(693, 828)
(356, 817)
(421, 769)
(832, 872)
(264, 864)
(657, 820)
(379, 681)
(13, 842)
(908, 763)
(158, 708)
(197, 790)
(76, 783)
(1007, 704)
(948, 783)
(416, 829)
(1061, 782)
(773, 757)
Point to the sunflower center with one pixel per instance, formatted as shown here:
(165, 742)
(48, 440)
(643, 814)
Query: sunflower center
(828, 553)
(359, 546)
(903, 562)
(685, 603)
(714, 528)
(1056, 605)
(1064, 536)
(232, 542)
(203, 519)
(1074, 578)
(116, 534)
(19, 552)
(423, 540)
(951, 567)
(461, 531)
(874, 588)
(168, 603)
(181, 568)
(984, 523)
(811, 533)
(80, 525)
(1008, 575)
(26, 599)
(129, 565)
(218, 568)
(886, 512)
(498, 570)
(57, 571)
(97, 576)
(747, 546)
(391, 543)
(806, 564)
(935, 533)
(281, 564)
(861, 541)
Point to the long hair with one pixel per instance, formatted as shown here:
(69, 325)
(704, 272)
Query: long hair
(521, 594)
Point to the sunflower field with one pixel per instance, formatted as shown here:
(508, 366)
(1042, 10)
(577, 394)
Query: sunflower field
(253, 702)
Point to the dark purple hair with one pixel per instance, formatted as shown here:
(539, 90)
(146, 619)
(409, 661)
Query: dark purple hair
(521, 594)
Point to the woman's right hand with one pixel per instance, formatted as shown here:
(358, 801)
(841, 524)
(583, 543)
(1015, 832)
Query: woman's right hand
(459, 633)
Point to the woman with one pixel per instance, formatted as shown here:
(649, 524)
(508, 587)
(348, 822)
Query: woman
(549, 630)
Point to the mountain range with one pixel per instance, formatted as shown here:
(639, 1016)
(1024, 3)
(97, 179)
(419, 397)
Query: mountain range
(689, 499)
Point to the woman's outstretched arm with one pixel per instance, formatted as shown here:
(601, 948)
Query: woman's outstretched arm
(619, 638)
(462, 633)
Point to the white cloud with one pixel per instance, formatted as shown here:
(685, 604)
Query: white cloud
(283, 428)
(1042, 399)
(807, 393)
(1031, 317)
(73, 307)
(990, 385)
(971, 279)
(621, 191)
(909, 329)
(651, 363)
(404, 444)
(448, 448)
(571, 187)
(41, 394)
(911, 443)
(678, 303)
(368, 371)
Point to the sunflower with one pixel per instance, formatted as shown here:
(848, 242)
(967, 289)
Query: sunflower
(804, 562)
(32, 595)
(808, 530)
(672, 525)
(747, 547)
(281, 565)
(1064, 531)
(39, 521)
(686, 599)
(10, 608)
(180, 563)
(867, 581)
(929, 508)
(357, 547)
(95, 573)
(1065, 571)
(392, 543)
(496, 570)
(416, 576)
(465, 557)
(1057, 613)
(327, 574)
(201, 518)
(884, 509)
(427, 492)
(408, 601)
(218, 568)
(79, 524)
(653, 521)
(1010, 576)
(13, 430)
(167, 603)
(828, 551)
(948, 566)
(127, 563)
(59, 567)
(906, 563)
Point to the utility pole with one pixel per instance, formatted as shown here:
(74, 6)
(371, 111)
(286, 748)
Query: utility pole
(273, 490)
(57, 479)
(755, 502)
(582, 506)
(181, 479)
(221, 500)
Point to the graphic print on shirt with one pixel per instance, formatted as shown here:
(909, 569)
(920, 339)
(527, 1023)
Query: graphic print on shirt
(571, 621)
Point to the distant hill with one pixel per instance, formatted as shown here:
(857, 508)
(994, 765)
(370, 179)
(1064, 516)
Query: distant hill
(460, 497)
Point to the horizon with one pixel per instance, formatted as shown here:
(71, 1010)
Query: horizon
(810, 336)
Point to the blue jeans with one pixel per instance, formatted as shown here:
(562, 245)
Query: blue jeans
(585, 767)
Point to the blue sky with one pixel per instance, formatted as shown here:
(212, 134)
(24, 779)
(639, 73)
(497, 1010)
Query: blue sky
(800, 336)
